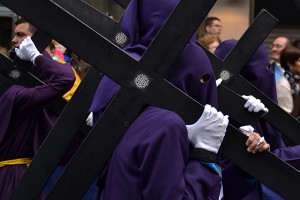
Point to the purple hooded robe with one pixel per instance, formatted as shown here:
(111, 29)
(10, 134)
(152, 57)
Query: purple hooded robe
(25, 121)
(152, 159)
(258, 72)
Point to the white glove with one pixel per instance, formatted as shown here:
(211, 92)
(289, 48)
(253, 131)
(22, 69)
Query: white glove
(208, 132)
(27, 50)
(89, 119)
(219, 81)
(248, 129)
(254, 105)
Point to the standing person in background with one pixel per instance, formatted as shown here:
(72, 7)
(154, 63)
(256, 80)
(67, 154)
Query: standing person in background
(81, 67)
(288, 85)
(212, 26)
(26, 120)
(296, 111)
(210, 42)
(278, 45)
(57, 55)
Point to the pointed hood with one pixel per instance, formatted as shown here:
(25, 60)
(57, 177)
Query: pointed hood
(192, 71)
(257, 71)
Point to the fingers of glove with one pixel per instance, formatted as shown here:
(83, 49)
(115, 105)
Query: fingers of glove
(255, 103)
(28, 41)
(25, 42)
(225, 121)
(246, 97)
(249, 102)
(214, 114)
(18, 52)
(259, 107)
(220, 118)
(206, 111)
(203, 117)
(247, 130)
(188, 127)
(89, 123)
(218, 81)
(89, 119)
(266, 110)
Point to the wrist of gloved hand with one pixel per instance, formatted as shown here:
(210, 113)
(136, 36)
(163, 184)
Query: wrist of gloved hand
(34, 56)
(214, 148)
(202, 142)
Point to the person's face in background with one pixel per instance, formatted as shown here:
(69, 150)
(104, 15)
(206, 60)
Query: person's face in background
(21, 32)
(215, 28)
(278, 45)
(212, 46)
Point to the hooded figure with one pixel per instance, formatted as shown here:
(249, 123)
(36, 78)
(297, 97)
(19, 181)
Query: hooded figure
(152, 159)
(25, 119)
(257, 71)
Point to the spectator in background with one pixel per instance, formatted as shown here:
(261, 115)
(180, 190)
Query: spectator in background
(288, 85)
(57, 55)
(79, 65)
(61, 51)
(296, 111)
(210, 42)
(212, 26)
(278, 45)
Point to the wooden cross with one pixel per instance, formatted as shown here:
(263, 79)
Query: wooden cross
(132, 100)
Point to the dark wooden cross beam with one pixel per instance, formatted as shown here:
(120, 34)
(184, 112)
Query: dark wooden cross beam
(295, 1)
(16, 71)
(230, 67)
(100, 45)
(104, 25)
